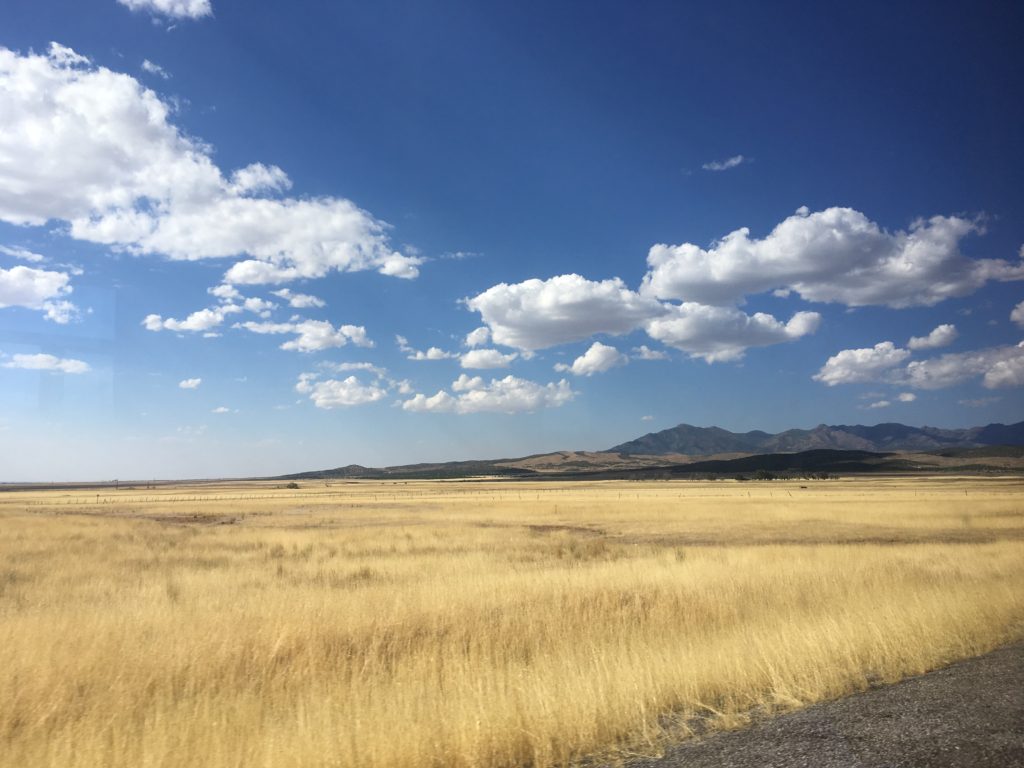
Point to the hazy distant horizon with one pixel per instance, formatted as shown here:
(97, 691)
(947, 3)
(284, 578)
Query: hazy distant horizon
(318, 464)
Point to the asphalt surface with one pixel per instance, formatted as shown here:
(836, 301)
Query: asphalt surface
(968, 715)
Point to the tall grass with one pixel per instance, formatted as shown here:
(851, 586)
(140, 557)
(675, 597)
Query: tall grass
(444, 625)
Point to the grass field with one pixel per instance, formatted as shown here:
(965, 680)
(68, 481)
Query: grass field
(476, 624)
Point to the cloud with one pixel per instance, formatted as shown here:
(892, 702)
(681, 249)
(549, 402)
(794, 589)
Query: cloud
(299, 300)
(197, 322)
(21, 253)
(598, 359)
(724, 165)
(96, 149)
(311, 335)
(258, 178)
(203, 320)
(335, 393)
(719, 334)
(189, 383)
(507, 395)
(537, 314)
(155, 69)
(376, 370)
(486, 358)
(44, 362)
(478, 337)
(466, 383)
(979, 402)
(643, 352)
(835, 255)
(441, 402)
(906, 397)
(998, 367)
(1017, 315)
(941, 336)
(39, 289)
(175, 9)
(646, 418)
(880, 404)
(258, 306)
(225, 292)
(60, 312)
(383, 380)
(851, 366)
(434, 353)
(221, 409)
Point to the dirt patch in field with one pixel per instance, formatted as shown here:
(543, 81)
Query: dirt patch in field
(193, 519)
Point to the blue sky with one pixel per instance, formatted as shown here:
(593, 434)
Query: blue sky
(243, 239)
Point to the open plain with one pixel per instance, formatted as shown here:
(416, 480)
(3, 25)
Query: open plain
(380, 624)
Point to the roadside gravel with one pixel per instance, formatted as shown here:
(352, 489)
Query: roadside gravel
(968, 715)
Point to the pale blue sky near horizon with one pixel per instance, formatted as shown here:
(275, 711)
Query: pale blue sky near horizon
(768, 201)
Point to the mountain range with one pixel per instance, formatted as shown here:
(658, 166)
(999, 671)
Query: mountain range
(688, 440)
(688, 451)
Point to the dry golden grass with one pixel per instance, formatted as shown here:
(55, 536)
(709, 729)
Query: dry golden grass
(475, 624)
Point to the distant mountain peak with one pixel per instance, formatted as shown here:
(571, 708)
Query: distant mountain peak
(689, 440)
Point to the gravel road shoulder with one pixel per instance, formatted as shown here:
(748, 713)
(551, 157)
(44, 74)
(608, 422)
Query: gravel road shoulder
(968, 715)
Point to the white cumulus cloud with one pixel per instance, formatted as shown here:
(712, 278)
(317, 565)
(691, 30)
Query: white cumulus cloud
(507, 395)
(311, 335)
(299, 300)
(998, 367)
(598, 359)
(258, 306)
(851, 366)
(906, 397)
(941, 336)
(39, 289)
(257, 178)
(835, 255)
(197, 322)
(466, 383)
(190, 383)
(536, 314)
(1017, 315)
(225, 292)
(60, 312)
(96, 149)
(44, 362)
(478, 337)
(486, 358)
(718, 334)
(174, 9)
(433, 353)
(339, 393)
